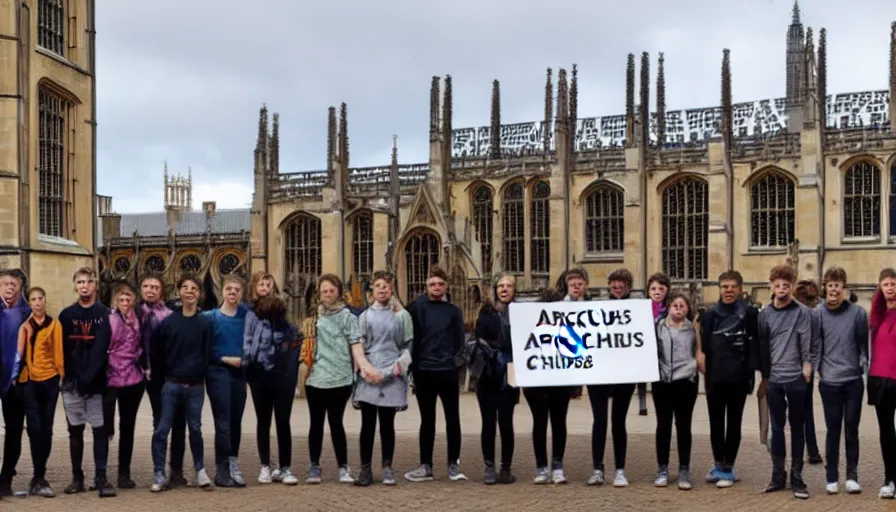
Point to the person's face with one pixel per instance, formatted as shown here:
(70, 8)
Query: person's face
(575, 287)
(38, 303)
(811, 296)
(678, 309)
(151, 291)
(233, 292)
(124, 301)
(10, 288)
(730, 290)
(657, 291)
(888, 288)
(436, 288)
(618, 289)
(85, 285)
(382, 290)
(264, 287)
(835, 293)
(781, 289)
(328, 293)
(189, 293)
(505, 290)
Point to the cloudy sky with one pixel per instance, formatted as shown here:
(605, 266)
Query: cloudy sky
(183, 80)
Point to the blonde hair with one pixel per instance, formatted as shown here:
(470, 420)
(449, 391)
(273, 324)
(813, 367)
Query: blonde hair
(258, 277)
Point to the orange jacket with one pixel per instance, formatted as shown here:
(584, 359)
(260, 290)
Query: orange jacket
(42, 359)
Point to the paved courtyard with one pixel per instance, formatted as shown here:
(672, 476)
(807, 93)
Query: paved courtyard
(753, 470)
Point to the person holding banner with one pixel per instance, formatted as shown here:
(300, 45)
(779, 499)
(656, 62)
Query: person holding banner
(882, 373)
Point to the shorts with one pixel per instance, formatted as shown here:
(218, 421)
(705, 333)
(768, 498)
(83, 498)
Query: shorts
(80, 409)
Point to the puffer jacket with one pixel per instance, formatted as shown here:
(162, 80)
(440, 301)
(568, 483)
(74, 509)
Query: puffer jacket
(677, 360)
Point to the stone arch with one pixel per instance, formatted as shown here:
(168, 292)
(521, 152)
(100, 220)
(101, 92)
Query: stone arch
(684, 200)
(420, 250)
(603, 217)
(772, 208)
(302, 261)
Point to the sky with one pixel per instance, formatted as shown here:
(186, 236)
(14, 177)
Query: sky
(183, 81)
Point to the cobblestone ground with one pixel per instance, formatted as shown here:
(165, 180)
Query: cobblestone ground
(752, 468)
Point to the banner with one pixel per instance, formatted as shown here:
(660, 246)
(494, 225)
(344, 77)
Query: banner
(580, 343)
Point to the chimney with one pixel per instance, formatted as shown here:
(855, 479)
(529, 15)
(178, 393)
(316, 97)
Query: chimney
(209, 208)
(111, 225)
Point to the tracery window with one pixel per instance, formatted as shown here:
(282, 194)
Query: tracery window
(483, 223)
(421, 253)
(541, 228)
(686, 229)
(303, 262)
(121, 265)
(604, 220)
(155, 264)
(53, 114)
(772, 211)
(362, 244)
(227, 264)
(514, 229)
(51, 25)
(861, 201)
(190, 264)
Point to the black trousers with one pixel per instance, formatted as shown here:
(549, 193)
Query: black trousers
(725, 405)
(428, 387)
(621, 394)
(14, 419)
(40, 400)
(882, 393)
(327, 404)
(496, 406)
(369, 415)
(273, 395)
(674, 401)
(548, 403)
(179, 426)
(787, 402)
(842, 404)
(128, 400)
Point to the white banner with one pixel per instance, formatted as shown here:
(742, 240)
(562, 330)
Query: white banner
(580, 343)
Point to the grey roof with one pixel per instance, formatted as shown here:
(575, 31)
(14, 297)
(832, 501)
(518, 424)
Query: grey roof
(190, 223)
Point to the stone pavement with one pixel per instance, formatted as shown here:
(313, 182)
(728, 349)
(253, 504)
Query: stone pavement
(752, 468)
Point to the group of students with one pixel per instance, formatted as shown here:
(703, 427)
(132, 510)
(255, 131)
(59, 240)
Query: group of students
(100, 358)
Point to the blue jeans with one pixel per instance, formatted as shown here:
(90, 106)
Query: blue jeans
(177, 398)
(227, 393)
(842, 405)
(788, 401)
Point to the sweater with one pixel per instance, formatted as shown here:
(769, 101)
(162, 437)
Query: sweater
(337, 330)
(85, 344)
(842, 342)
(438, 334)
(126, 363)
(227, 332)
(786, 340)
(43, 357)
(883, 339)
(185, 342)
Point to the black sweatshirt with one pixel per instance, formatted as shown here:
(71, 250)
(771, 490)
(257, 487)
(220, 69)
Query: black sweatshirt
(438, 334)
(185, 342)
(85, 346)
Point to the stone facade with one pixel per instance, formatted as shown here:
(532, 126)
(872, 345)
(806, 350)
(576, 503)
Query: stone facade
(47, 141)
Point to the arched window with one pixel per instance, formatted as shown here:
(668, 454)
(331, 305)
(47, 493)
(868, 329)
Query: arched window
(772, 211)
(604, 220)
(421, 253)
(482, 222)
(861, 201)
(302, 261)
(190, 264)
(686, 229)
(228, 264)
(514, 229)
(54, 121)
(362, 244)
(154, 264)
(121, 265)
(541, 228)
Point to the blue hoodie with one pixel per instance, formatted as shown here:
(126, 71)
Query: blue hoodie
(11, 318)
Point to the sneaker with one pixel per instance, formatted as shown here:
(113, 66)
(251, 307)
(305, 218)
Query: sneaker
(620, 480)
(684, 479)
(714, 474)
(853, 487)
(42, 488)
(888, 491)
(313, 474)
(276, 475)
(541, 476)
(264, 475)
(726, 479)
(662, 476)
(777, 483)
(177, 479)
(76, 487)
(490, 478)
(799, 488)
(388, 476)
(104, 488)
(286, 477)
(235, 474)
(345, 475)
(454, 473)
(365, 476)
(596, 478)
(158, 482)
(505, 476)
(202, 479)
(558, 476)
(421, 474)
(832, 488)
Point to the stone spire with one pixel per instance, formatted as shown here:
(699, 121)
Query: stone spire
(262, 139)
(495, 131)
(275, 146)
(447, 113)
(343, 137)
(573, 109)
(660, 103)
(630, 101)
(796, 12)
(548, 110)
(823, 78)
(562, 100)
(394, 196)
(644, 107)
(726, 99)
(331, 140)
(810, 111)
(893, 77)
(435, 94)
(796, 62)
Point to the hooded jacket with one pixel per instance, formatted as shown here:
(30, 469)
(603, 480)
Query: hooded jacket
(11, 318)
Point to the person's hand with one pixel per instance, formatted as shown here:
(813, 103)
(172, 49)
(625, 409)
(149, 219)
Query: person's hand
(760, 392)
(701, 363)
(807, 372)
(148, 373)
(396, 372)
(371, 375)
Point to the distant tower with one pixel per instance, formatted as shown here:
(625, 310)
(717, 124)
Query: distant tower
(796, 69)
(178, 191)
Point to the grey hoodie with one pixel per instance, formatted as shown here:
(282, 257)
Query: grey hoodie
(677, 351)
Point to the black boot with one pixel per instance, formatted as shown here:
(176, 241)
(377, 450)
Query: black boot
(103, 487)
(779, 476)
(365, 476)
(505, 476)
(176, 479)
(77, 485)
(5, 485)
(125, 481)
(76, 450)
(222, 475)
(796, 481)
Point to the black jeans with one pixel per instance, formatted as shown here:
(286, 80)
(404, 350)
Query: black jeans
(884, 400)
(327, 404)
(14, 419)
(600, 395)
(811, 436)
(226, 388)
(674, 400)
(547, 403)
(40, 400)
(178, 425)
(273, 394)
(429, 386)
(369, 414)
(787, 401)
(725, 405)
(642, 396)
(496, 407)
(184, 400)
(128, 400)
(842, 405)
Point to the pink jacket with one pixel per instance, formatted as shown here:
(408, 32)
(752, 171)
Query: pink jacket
(125, 348)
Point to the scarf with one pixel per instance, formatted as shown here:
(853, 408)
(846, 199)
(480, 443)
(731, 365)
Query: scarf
(334, 308)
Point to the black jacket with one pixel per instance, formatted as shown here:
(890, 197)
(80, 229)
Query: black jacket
(730, 338)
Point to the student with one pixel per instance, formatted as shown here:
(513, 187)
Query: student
(85, 342)
(40, 350)
(882, 373)
(386, 333)
(729, 332)
(806, 293)
(226, 381)
(184, 342)
(497, 399)
(127, 370)
(675, 394)
(337, 348)
(620, 284)
(786, 360)
(271, 356)
(438, 338)
(14, 312)
(843, 360)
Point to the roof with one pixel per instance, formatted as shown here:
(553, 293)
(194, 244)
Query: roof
(190, 223)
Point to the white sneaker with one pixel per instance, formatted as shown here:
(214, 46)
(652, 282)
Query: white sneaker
(202, 479)
(264, 475)
(596, 478)
(287, 477)
(276, 475)
(887, 492)
(832, 488)
(558, 476)
(541, 476)
(345, 475)
(620, 480)
(853, 487)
